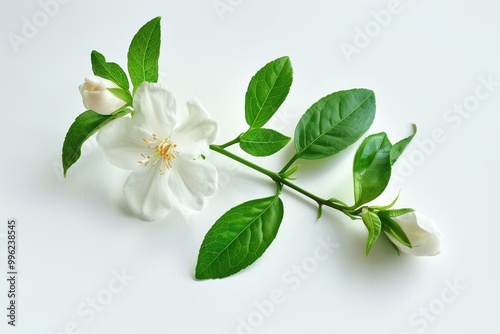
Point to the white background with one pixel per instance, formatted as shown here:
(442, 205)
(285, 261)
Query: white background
(76, 234)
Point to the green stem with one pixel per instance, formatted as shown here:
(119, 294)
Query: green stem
(289, 164)
(276, 177)
(232, 142)
(220, 149)
(357, 211)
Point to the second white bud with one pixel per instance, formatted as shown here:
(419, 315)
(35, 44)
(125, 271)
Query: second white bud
(97, 97)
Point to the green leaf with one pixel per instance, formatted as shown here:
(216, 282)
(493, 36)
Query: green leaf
(334, 123)
(337, 201)
(397, 212)
(320, 211)
(392, 244)
(144, 52)
(82, 129)
(400, 146)
(239, 238)
(110, 71)
(374, 226)
(289, 173)
(267, 90)
(371, 168)
(385, 207)
(390, 226)
(262, 142)
(122, 94)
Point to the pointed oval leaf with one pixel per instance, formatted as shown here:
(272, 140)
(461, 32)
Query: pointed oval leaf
(397, 212)
(262, 142)
(144, 52)
(374, 226)
(389, 226)
(386, 207)
(82, 129)
(267, 90)
(110, 71)
(400, 146)
(371, 168)
(392, 244)
(334, 123)
(289, 173)
(122, 94)
(239, 238)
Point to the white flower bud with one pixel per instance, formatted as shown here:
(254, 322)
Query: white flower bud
(97, 97)
(423, 233)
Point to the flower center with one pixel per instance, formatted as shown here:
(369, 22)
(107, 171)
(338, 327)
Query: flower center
(164, 153)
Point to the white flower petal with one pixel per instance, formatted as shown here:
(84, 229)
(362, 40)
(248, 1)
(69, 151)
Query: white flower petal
(98, 83)
(191, 181)
(97, 97)
(104, 103)
(147, 193)
(423, 233)
(154, 109)
(428, 245)
(195, 132)
(149, 137)
(122, 143)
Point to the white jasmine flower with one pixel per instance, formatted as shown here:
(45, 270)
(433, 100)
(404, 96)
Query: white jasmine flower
(423, 233)
(164, 153)
(97, 97)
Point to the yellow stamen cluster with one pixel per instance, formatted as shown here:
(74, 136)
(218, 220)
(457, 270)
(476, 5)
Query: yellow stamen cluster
(165, 152)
